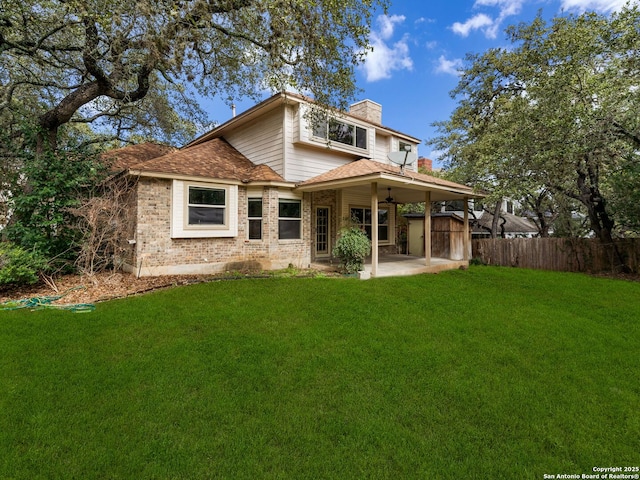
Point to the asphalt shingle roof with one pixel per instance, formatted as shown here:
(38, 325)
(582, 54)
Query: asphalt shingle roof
(509, 222)
(365, 167)
(125, 157)
(214, 159)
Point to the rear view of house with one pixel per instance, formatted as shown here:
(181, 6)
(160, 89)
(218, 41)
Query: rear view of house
(272, 187)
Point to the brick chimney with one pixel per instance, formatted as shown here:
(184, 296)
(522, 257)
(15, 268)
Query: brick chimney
(368, 110)
(425, 163)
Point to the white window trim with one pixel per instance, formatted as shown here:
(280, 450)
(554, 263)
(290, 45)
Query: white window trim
(390, 233)
(288, 195)
(180, 212)
(338, 144)
(255, 195)
(306, 135)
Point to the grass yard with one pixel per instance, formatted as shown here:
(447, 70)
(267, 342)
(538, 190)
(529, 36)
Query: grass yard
(490, 373)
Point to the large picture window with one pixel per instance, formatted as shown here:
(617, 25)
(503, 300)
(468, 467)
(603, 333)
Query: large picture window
(342, 132)
(207, 206)
(362, 218)
(203, 210)
(289, 219)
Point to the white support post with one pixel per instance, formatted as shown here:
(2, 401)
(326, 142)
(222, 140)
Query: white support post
(465, 243)
(374, 229)
(427, 228)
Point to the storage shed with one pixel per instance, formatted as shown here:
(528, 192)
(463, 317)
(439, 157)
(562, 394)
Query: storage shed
(447, 235)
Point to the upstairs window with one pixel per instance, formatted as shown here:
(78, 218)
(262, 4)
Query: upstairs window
(342, 132)
(405, 147)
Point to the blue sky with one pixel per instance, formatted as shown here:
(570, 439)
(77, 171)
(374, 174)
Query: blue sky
(419, 46)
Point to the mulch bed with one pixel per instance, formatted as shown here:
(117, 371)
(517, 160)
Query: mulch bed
(98, 287)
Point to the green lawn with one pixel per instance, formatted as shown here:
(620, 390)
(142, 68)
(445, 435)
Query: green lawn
(490, 373)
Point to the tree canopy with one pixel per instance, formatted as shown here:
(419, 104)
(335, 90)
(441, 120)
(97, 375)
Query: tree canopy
(557, 112)
(129, 66)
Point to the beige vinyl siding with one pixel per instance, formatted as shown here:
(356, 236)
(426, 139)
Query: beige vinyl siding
(291, 125)
(261, 141)
(304, 163)
(382, 148)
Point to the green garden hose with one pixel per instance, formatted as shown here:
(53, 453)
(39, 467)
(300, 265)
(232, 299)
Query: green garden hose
(46, 302)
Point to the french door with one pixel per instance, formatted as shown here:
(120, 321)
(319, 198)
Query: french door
(323, 233)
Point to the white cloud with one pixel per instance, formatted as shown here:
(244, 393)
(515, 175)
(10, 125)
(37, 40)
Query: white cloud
(386, 58)
(599, 5)
(489, 25)
(450, 67)
(507, 7)
(474, 23)
(388, 24)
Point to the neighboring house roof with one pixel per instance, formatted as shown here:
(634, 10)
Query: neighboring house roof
(513, 224)
(364, 171)
(435, 215)
(213, 159)
(125, 157)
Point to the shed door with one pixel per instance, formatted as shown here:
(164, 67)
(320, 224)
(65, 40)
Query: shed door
(416, 237)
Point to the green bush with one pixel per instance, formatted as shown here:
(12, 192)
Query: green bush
(19, 266)
(351, 248)
(476, 261)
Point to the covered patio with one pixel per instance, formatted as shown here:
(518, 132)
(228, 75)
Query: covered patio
(375, 181)
(399, 265)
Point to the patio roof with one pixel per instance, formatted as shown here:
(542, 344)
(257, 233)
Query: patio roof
(409, 185)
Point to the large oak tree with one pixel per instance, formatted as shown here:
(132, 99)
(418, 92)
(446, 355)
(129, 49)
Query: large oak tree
(557, 111)
(123, 64)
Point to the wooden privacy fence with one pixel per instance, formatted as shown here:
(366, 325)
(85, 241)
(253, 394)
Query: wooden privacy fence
(560, 254)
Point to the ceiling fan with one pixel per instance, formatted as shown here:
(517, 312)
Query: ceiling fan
(389, 199)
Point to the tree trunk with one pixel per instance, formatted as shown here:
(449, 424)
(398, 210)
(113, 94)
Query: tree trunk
(537, 204)
(50, 121)
(601, 222)
(496, 220)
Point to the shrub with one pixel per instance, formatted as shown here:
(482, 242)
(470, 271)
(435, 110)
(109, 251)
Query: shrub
(477, 261)
(19, 266)
(351, 248)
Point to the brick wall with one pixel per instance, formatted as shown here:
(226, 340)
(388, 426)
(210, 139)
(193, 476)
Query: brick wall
(158, 254)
